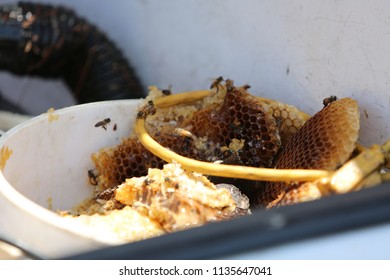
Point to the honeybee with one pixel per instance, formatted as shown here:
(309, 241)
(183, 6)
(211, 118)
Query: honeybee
(103, 123)
(148, 181)
(92, 177)
(146, 110)
(229, 85)
(329, 100)
(107, 194)
(167, 91)
(246, 87)
(216, 83)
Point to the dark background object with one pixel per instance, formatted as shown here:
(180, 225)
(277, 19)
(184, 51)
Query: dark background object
(52, 41)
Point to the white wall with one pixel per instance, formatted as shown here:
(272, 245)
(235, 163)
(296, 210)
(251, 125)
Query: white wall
(298, 52)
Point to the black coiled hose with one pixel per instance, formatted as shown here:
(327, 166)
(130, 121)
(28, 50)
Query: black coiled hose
(51, 42)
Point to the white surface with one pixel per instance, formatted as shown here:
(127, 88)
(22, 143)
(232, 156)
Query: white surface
(298, 52)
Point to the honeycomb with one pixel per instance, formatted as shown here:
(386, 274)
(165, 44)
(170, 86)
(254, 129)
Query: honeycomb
(299, 193)
(164, 201)
(207, 130)
(177, 199)
(128, 159)
(325, 141)
(242, 117)
(288, 117)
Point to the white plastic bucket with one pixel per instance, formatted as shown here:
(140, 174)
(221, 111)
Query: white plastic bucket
(44, 165)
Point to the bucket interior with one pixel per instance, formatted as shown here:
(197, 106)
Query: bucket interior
(50, 155)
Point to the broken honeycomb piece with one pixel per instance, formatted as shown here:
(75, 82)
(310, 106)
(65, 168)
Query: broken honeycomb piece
(325, 141)
(177, 199)
(240, 116)
(118, 226)
(163, 201)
